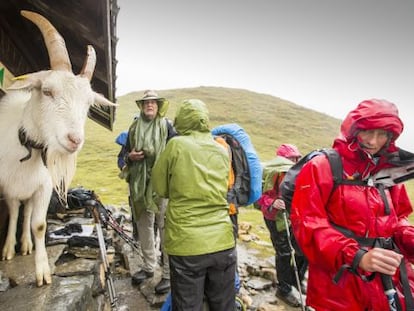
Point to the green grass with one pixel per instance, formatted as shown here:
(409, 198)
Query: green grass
(270, 121)
(255, 218)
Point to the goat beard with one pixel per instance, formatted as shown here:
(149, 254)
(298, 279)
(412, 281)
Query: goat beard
(62, 168)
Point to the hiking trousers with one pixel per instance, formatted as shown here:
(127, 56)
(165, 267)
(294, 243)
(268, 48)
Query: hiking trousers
(284, 267)
(271, 226)
(211, 276)
(160, 222)
(145, 227)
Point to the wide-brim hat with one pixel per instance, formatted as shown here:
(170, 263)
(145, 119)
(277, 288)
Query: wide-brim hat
(162, 103)
(150, 94)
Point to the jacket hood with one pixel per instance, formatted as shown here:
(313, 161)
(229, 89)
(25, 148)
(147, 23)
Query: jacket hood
(192, 115)
(288, 151)
(372, 114)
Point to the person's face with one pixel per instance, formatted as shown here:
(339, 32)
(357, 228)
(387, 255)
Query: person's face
(373, 140)
(294, 159)
(150, 108)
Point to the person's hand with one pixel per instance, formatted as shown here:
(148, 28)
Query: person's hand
(381, 260)
(136, 155)
(279, 204)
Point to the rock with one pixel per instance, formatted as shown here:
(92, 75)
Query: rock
(247, 300)
(4, 283)
(79, 266)
(79, 281)
(259, 283)
(270, 307)
(244, 226)
(245, 237)
(21, 270)
(270, 274)
(64, 294)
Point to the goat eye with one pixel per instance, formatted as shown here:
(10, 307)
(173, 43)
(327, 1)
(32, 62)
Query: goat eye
(47, 92)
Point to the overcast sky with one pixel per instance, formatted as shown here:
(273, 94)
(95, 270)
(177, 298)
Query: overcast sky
(327, 55)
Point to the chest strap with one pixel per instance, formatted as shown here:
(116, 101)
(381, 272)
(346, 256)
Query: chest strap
(29, 144)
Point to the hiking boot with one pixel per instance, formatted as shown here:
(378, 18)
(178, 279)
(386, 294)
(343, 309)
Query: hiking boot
(163, 286)
(141, 276)
(288, 298)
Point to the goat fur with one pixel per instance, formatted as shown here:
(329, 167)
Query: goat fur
(51, 107)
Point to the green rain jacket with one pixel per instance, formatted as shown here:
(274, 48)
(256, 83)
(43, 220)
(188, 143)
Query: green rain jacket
(193, 173)
(151, 137)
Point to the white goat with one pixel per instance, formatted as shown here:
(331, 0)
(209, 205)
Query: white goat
(42, 120)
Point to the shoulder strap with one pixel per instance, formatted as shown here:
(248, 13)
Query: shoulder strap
(335, 162)
(170, 129)
(277, 182)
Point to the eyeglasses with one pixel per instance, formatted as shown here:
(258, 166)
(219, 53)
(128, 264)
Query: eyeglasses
(150, 102)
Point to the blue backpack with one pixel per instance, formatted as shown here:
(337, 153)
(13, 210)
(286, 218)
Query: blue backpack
(246, 165)
(121, 140)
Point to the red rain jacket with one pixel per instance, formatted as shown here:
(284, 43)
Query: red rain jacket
(357, 208)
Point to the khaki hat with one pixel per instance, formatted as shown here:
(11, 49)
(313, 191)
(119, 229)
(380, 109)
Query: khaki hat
(149, 94)
(162, 103)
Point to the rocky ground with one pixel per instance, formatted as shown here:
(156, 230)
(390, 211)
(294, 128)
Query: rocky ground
(78, 278)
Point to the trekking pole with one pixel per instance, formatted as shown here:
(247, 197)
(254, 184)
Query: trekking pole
(118, 229)
(104, 257)
(107, 219)
(389, 291)
(295, 267)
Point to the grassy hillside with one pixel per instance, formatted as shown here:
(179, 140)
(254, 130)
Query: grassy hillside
(269, 121)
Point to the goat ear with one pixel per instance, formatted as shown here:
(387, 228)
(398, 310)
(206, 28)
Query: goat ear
(28, 81)
(100, 100)
(22, 82)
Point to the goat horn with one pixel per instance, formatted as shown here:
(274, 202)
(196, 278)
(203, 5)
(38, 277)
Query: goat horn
(89, 64)
(55, 44)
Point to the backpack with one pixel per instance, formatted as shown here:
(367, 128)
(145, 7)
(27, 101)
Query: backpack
(273, 172)
(246, 165)
(287, 187)
(271, 169)
(57, 206)
(78, 197)
(121, 140)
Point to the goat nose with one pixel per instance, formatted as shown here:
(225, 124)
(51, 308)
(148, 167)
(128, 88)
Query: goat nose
(76, 140)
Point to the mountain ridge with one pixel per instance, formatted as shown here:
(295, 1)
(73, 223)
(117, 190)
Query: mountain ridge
(269, 121)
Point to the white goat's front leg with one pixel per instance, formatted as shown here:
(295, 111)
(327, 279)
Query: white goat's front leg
(26, 238)
(9, 246)
(39, 205)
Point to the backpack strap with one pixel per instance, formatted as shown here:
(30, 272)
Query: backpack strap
(335, 162)
(276, 183)
(171, 130)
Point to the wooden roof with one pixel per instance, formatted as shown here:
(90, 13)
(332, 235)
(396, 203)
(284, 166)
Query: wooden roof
(80, 22)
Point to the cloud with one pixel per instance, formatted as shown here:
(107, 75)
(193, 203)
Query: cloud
(324, 55)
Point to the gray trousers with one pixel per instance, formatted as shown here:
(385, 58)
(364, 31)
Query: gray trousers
(145, 227)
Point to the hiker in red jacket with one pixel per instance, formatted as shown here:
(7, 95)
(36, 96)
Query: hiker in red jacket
(271, 205)
(356, 236)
